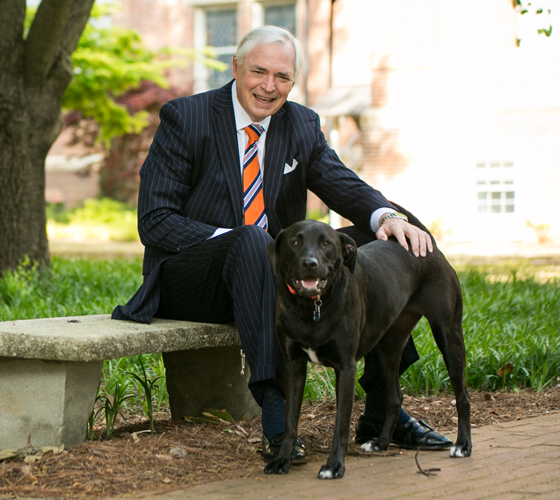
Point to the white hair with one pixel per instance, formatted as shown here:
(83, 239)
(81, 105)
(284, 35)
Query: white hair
(269, 34)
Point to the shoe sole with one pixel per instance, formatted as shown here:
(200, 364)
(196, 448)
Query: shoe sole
(423, 447)
(363, 440)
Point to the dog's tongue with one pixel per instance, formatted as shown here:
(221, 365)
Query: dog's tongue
(309, 283)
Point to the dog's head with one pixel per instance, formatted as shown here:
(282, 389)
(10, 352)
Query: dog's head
(308, 256)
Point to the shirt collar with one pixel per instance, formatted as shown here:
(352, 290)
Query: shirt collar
(242, 119)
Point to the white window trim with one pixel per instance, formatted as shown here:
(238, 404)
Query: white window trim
(200, 71)
(496, 176)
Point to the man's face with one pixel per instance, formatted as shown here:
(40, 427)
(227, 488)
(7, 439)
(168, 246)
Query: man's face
(265, 78)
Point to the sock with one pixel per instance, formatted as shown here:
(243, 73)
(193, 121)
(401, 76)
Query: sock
(375, 402)
(375, 405)
(273, 408)
(403, 417)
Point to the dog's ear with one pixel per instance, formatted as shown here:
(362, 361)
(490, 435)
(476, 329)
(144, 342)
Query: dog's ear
(349, 251)
(272, 252)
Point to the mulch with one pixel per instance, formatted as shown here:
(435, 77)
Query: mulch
(180, 454)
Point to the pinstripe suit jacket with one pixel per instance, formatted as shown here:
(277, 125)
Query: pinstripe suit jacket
(191, 180)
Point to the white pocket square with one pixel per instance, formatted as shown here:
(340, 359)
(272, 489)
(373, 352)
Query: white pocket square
(288, 169)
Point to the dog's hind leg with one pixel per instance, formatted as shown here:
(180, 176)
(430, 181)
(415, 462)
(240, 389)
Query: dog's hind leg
(345, 390)
(447, 330)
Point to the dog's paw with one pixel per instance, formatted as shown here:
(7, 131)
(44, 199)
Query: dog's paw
(328, 472)
(277, 466)
(458, 451)
(370, 446)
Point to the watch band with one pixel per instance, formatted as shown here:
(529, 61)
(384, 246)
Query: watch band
(392, 215)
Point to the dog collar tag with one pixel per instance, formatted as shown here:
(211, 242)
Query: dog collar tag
(317, 311)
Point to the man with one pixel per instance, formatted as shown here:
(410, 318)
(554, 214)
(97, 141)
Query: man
(227, 170)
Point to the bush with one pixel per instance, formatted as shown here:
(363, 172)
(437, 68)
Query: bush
(99, 220)
(69, 287)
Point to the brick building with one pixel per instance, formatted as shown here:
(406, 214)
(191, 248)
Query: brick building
(463, 125)
(435, 103)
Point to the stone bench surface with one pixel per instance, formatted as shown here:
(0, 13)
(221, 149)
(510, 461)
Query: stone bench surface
(50, 372)
(98, 337)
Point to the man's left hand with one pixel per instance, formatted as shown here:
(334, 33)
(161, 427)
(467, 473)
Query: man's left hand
(420, 241)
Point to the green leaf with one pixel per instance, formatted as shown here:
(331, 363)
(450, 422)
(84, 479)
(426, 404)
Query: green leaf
(221, 414)
(199, 420)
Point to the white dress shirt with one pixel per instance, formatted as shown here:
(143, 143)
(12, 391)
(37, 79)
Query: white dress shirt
(242, 120)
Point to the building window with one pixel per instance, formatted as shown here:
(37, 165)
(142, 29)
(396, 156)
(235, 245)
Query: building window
(283, 15)
(495, 187)
(216, 26)
(221, 35)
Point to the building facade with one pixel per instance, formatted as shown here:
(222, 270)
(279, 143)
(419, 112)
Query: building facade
(436, 103)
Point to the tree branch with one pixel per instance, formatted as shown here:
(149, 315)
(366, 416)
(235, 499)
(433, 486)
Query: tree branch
(79, 16)
(60, 73)
(11, 29)
(43, 43)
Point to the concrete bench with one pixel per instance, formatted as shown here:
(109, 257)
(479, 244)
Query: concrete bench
(50, 371)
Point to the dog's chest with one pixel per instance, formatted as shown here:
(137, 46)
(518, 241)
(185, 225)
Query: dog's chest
(313, 357)
(321, 350)
(315, 338)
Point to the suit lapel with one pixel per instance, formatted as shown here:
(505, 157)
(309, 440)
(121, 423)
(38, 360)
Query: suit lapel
(225, 136)
(275, 154)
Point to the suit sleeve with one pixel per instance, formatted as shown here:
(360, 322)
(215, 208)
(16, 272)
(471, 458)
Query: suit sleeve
(166, 180)
(338, 186)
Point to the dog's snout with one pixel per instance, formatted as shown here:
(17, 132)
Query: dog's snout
(309, 263)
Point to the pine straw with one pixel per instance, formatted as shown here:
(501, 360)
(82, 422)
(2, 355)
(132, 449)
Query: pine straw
(181, 455)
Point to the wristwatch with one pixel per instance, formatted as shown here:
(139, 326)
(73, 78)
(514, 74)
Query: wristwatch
(392, 215)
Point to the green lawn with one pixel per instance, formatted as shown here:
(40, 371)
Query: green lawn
(511, 324)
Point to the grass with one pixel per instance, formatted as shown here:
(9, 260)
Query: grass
(70, 287)
(511, 324)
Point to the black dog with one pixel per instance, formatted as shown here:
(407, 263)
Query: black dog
(335, 303)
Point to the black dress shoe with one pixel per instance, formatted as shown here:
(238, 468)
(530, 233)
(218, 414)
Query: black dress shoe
(413, 434)
(271, 448)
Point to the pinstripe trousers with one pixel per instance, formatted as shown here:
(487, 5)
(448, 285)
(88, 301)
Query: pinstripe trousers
(223, 279)
(228, 278)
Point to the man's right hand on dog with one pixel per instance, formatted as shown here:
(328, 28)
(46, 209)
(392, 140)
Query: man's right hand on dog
(402, 230)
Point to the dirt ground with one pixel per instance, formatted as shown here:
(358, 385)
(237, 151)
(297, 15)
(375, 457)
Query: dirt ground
(182, 454)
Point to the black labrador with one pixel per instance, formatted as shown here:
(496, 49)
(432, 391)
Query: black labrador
(335, 303)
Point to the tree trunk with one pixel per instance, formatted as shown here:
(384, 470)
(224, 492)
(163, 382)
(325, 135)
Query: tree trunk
(22, 198)
(34, 74)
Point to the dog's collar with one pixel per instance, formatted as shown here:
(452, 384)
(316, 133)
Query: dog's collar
(293, 292)
(318, 303)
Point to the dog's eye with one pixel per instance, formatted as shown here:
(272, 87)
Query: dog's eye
(295, 243)
(326, 244)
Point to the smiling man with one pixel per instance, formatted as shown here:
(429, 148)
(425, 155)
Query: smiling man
(264, 76)
(227, 171)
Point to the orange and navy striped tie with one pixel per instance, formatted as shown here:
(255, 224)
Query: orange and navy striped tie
(253, 199)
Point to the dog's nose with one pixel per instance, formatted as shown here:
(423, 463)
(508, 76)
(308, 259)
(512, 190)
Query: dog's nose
(309, 263)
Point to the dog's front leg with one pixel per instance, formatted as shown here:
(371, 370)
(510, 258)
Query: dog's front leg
(295, 372)
(345, 388)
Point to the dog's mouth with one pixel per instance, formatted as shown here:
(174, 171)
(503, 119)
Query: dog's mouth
(311, 286)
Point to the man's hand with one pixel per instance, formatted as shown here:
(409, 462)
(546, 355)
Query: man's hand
(420, 241)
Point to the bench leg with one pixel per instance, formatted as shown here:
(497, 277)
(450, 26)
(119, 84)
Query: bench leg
(51, 400)
(208, 378)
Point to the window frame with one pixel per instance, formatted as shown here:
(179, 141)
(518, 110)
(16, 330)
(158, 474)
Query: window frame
(495, 187)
